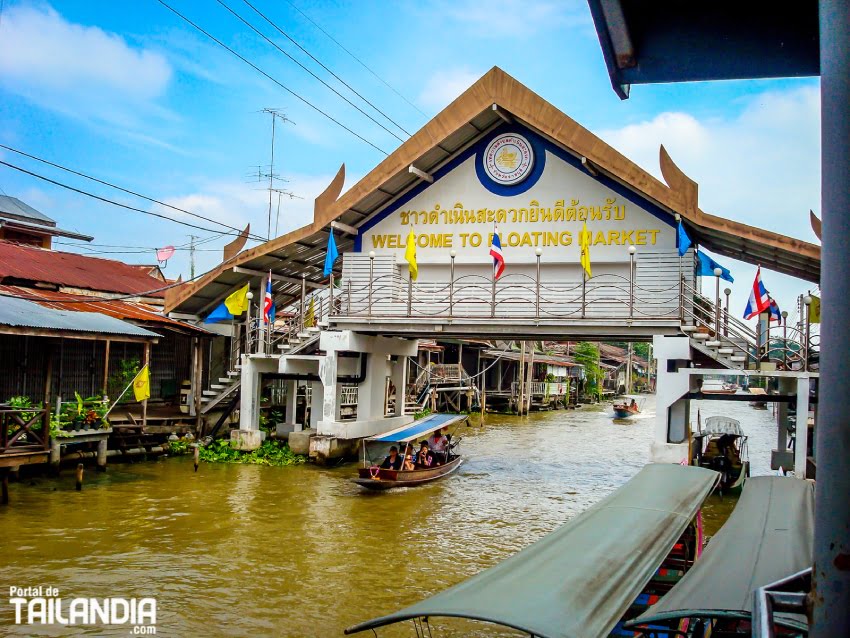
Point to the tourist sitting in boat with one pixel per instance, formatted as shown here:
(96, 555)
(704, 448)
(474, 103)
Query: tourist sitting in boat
(408, 464)
(633, 405)
(393, 460)
(439, 445)
(423, 457)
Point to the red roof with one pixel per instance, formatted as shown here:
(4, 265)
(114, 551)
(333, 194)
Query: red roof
(133, 311)
(28, 263)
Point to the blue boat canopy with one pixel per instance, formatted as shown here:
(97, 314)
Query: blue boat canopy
(578, 581)
(417, 429)
(769, 536)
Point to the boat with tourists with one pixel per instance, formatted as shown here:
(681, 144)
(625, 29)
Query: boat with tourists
(759, 404)
(768, 537)
(394, 459)
(721, 445)
(586, 578)
(628, 407)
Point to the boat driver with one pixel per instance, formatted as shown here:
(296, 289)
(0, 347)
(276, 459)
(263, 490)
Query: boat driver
(439, 444)
(393, 460)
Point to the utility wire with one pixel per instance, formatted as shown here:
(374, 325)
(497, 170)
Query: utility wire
(275, 45)
(319, 62)
(358, 60)
(258, 69)
(125, 190)
(111, 201)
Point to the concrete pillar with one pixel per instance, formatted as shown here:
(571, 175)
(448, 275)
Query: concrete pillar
(831, 582)
(317, 402)
(330, 397)
(802, 432)
(672, 411)
(399, 380)
(249, 395)
(55, 455)
(781, 457)
(370, 396)
(291, 409)
(101, 454)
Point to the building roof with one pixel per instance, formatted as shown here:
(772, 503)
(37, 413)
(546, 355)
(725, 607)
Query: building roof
(20, 315)
(18, 215)
(31, 264)
(699, 40)
(470, 117)
(130, 310)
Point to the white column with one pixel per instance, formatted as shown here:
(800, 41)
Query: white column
(671, 410)
(249, 399)
(316, 405)
(328, 373)
(399, 380)
(802, 432)
(291, 411)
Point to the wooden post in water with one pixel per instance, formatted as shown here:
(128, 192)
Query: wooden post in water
(196, 456)
(79, 477)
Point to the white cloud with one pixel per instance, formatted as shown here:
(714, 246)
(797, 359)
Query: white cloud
(760, 166)
(445, 85)
(78, 70)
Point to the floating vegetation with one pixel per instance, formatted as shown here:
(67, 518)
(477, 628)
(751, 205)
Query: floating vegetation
(273, 453)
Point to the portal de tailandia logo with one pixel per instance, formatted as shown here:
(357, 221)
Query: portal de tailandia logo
(34, 606)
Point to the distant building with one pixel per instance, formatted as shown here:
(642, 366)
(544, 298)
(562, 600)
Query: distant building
(20, 223)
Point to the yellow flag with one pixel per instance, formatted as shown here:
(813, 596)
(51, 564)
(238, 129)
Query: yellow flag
(410, 255)
(814, 310)
(584, 242)
(237, 302)
(310, 315)
(142, 384)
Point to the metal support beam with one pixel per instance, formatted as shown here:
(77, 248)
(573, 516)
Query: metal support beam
(289, 280)
(831, 578)
(502, 113)
(420, 174)
(351, 230)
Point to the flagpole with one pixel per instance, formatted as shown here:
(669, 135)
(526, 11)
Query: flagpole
(145, 363)
(123, 392)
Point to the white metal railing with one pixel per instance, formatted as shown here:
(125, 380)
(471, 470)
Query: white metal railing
(513, 296)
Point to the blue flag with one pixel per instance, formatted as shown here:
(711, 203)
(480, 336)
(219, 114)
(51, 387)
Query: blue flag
(220, 313)
(332, 255)
(707, 265)
(683, 242)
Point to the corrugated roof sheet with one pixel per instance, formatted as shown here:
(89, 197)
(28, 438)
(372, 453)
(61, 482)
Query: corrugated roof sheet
(19, 313)
(78, 271)
(134, 311)
(14, 207)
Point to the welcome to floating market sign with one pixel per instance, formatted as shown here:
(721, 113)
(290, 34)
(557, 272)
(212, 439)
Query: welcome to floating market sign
(536, 195)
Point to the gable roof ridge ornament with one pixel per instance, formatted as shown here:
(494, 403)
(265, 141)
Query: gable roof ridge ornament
(681, 185)
(330, 195)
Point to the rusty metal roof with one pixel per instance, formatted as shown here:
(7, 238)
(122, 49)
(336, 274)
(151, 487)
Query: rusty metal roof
(27, 263)
(133, 311)
(20, 313)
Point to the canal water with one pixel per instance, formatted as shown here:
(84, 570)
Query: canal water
(254, 551)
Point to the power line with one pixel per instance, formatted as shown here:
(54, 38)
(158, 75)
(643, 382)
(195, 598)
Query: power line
(275, 45)
(358, 60)
(259, 70)
(109, 201)
(319, 62)
(124, 190)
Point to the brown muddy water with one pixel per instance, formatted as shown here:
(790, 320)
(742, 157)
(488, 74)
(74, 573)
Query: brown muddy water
(253, 551)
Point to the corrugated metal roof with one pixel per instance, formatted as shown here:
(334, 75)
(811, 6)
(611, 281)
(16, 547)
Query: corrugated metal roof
(119, 309)
(19, 313)
(14, 207)
(29, 263)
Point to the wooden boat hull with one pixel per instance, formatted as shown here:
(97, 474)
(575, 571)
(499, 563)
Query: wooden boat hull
(387, 479)
(624, 412)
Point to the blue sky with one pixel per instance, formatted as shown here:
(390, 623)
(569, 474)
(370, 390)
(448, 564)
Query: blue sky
(131, 94)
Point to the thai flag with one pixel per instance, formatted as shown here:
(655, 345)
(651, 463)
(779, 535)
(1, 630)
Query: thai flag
(775, 315)
(268, 302)
(759, 299)
(496, 254)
